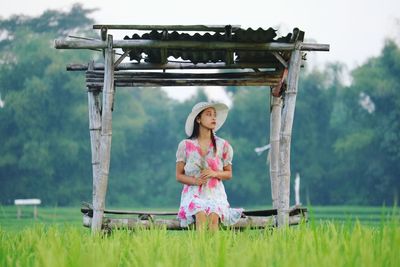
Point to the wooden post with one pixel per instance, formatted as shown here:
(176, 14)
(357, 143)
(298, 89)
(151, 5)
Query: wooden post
(19, 212)
(275, 125)
(95, 131)
(285, 137)
(100, 186)
(35, 212)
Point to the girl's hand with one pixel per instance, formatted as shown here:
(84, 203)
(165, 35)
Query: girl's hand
(207, 174)
(199, 181)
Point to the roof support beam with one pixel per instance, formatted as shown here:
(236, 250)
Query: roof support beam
(98, 44)
(122, 57)
(213, 28)
(280, 58)
(174, 65)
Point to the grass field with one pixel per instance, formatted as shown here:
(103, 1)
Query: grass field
(334, 236)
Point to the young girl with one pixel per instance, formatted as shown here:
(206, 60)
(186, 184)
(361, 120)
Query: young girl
(203, 161)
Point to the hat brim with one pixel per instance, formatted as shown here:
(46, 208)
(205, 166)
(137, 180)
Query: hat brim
(221, 110)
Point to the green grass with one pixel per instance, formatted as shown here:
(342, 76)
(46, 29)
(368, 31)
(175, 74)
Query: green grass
(325, 244)
(70, 216)
(58, 239)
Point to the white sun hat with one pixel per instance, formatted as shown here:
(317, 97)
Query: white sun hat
(220, 108)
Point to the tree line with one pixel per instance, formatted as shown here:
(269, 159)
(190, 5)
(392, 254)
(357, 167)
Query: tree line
(344, 144)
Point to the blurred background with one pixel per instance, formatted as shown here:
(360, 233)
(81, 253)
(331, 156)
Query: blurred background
(346, 131)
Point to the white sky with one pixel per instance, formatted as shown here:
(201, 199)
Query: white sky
(355, 29)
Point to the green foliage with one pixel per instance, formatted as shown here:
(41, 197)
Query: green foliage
(42, 153)
(53, 21)
(247, 127)
(365, 149)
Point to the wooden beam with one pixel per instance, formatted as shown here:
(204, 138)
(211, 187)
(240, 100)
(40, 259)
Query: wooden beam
(156, 44)
(122, 57)
(249, 222)
(175, 65)
(105, 138)
(87, 208)
(280, 58)
(94, 106)
(214, 28)
(183, 82)
(275, 125)
(285, 138)
(180, 75)
(314, 47)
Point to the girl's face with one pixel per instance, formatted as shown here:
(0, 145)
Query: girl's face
(208, 118)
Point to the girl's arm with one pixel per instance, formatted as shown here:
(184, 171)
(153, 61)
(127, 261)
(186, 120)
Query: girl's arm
(225, 174)
(184, 179)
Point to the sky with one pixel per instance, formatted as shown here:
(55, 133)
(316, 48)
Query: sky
(355, 29)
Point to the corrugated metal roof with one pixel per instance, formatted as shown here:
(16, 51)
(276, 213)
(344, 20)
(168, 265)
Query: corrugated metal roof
(208, 56)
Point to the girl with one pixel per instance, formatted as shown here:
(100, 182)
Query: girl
(203, 161)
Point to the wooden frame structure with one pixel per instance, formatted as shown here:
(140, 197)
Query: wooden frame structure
(274, 63)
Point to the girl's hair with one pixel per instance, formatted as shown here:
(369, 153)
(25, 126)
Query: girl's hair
(196, 132)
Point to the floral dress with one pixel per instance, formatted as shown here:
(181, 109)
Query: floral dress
(210, 197)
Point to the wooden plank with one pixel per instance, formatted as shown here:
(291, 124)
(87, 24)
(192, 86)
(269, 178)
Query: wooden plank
(214, 28)
(100, 188)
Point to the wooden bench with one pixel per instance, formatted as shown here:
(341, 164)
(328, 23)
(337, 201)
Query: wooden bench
(27, 202)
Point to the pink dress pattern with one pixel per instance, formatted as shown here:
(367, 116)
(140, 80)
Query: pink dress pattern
(210, 197)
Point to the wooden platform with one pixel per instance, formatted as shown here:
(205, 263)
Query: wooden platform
(253, 219)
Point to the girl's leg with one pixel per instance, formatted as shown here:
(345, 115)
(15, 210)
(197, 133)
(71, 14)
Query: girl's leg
(201, 220)
(214, 221)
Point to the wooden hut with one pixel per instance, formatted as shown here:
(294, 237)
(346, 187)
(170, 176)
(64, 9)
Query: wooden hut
(228, 56)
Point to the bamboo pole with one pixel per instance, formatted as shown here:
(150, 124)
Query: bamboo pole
(155, 83)
(285, 138)
(171, 75)
(95, 131)
(218, 45)
(105, 138)
(275, 123)
(157, 44)
(214, 28)
(174, 65)
(250, 222)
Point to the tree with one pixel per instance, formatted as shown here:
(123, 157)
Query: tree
(41, 153)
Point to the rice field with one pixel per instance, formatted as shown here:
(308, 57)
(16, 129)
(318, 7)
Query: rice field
(334, 236)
